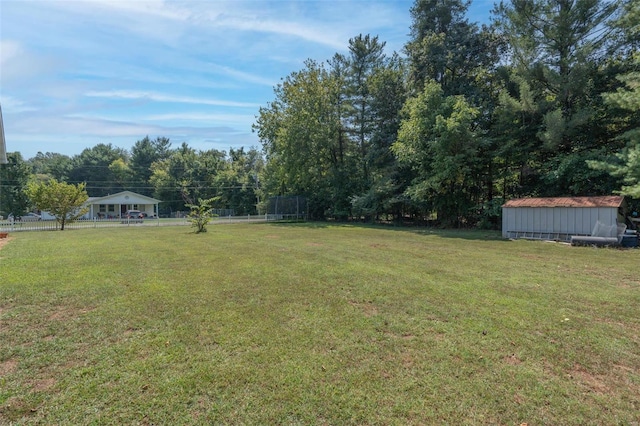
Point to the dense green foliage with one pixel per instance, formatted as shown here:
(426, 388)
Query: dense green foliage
(175, 176)
(62, 200)
(14, 177)
(627, 166)
(473, 115)
(438, 142)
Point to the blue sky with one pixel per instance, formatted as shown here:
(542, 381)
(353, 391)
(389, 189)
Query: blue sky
(77, 73)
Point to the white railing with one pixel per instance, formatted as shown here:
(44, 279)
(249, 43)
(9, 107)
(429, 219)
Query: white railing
(52, 225)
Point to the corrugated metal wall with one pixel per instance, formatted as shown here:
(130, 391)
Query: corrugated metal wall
(555, 223)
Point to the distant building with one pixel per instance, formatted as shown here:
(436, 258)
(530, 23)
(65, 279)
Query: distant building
(560, 218)
(116, 205)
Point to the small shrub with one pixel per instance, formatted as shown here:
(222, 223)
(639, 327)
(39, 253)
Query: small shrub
(200, 214)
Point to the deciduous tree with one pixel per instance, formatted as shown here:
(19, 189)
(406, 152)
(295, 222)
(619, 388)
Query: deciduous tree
(438, 142)
(236, 184)
(303, 140)
(91, 167)
(144, 153)
(66, 202)
(51, 164)
(186, 173)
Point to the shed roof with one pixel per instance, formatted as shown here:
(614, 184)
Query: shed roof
(603, 201)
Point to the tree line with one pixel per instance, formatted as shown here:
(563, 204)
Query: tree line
(543, 101)
(179, 177)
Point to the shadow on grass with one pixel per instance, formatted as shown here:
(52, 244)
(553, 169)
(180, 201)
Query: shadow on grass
(465, 234)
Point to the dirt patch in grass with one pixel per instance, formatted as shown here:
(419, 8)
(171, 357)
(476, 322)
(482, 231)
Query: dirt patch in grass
(621, 279)
(628, 282)
(403, 336)
(4, 241)
(593, 382)
(44, 384)
(367, 307)
(407, 360)
(512, 359)
(8, 366)
(377, 245)
(65, 313)
(624, 378)
(532, 256)
(519, 399)
(14, 409)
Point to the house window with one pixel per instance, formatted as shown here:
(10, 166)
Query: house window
(103, 208)
(112, 208)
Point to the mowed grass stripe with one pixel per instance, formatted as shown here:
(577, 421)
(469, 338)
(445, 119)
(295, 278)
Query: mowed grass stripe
(315, 324)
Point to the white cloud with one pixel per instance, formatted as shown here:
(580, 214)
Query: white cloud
(242, 75)
(15, 105)
(18, 64)
(92, 71)
(153, 19)
(9, 49)
(158, 97)
(169, 21)
(156, 8)
(306, 30)
(202, 117)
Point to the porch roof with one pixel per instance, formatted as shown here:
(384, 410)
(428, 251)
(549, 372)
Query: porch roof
(124, 197)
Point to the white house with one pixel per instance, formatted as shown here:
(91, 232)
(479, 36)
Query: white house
(116, 205)
(560, 218)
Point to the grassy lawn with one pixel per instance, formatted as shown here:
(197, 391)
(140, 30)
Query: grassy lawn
(315, 324)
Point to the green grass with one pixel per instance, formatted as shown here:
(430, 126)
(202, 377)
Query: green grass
(315, 324)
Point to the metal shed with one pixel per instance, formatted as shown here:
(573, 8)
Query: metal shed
(559, 218)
